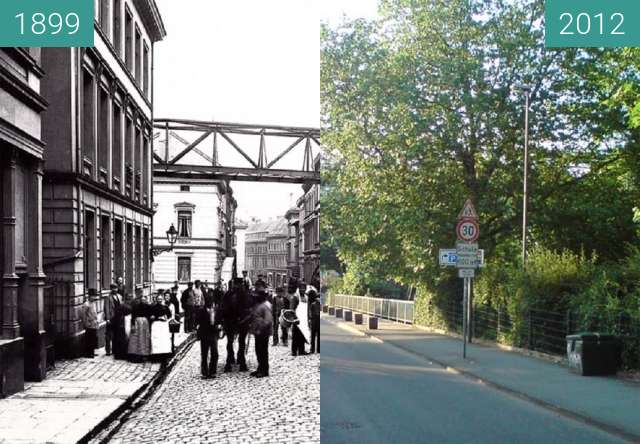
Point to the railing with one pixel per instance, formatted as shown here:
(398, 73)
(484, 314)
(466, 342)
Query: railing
(391, 309)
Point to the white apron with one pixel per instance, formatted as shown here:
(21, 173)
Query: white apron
(160, 338)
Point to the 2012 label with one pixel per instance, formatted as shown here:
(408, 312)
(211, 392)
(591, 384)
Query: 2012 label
(582, 24)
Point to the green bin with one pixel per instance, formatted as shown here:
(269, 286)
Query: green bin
(591, 353)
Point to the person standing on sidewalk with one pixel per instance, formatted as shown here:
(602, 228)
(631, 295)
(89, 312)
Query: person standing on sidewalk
(198, 292)
(89, 319)
(277, 307)
(120, 287)
(207, 327)
(188, 305)
(174, 298)
(297, 337)
(314, 319)
(111, 305)
(261, 328)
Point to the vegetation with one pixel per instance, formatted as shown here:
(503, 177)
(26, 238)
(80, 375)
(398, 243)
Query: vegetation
(420, 111)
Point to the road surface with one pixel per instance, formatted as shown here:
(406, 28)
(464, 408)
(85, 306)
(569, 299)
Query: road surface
(372, 392)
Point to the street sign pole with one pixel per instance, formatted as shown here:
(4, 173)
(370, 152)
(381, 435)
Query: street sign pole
(465, 284)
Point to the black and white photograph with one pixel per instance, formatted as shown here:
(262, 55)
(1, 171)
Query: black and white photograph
(160, 208)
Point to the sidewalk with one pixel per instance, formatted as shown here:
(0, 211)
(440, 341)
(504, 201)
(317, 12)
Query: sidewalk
(75, 398)
(606, 402)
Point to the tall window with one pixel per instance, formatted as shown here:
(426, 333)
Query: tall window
(118, 257)
(184, 269)
(145, 71)
(105, 252)
(138, 163)
(104, 16)
(129, 258)
(184, 224)
(128, 149)
(103, 135)
(145, 170)
(145, 255)
(88, 118)
(90, 270)
(116, 159)
(138, 67)
(128, 40)
(138, 256)
(117, 26)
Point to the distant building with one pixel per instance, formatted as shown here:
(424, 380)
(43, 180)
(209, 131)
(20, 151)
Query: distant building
(239, 245)
(265, 251)
(22, 341)
(294, 267)
(303, 238)
(203, 213)
(97, 206)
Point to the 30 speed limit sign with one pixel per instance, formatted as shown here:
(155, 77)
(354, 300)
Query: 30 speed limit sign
(468, 230)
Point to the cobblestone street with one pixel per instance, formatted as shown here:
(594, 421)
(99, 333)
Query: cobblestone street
(234, 407)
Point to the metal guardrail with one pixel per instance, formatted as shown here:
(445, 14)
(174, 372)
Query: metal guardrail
(391, 309)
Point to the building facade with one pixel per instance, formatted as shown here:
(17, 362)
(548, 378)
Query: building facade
(23, 337)
(294, 268)
(97, 207)
(303, 241)
(239, 245)
(203, 213)
(266, 251)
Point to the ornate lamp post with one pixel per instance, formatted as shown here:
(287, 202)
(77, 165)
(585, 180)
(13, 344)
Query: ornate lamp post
(172, 237)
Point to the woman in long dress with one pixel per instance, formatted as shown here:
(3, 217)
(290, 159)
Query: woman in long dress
(140, 338)
(160, 336)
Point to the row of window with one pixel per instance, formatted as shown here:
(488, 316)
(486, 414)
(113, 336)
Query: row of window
(312, 235)
(136, 54)
(113, 128)
(113, 249)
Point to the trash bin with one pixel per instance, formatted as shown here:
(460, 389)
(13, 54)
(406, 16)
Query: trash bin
(591, 353)
(348, 315)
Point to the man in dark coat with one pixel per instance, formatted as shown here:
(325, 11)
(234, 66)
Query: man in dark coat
(235, 312)
(111, 303)
(217, 293)
(207, 325)
(314, 319)
(261, 323)
(188, 301)
(277, 306)
(174, 298)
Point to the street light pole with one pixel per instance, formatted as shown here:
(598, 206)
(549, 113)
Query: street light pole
(525, 195)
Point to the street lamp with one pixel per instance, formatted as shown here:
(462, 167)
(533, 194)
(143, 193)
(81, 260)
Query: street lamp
(172, 237)
(527, 95)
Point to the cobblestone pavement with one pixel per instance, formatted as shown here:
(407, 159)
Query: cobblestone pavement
(74, 398)
(234, 407)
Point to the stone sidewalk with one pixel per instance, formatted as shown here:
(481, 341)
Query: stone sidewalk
(609, 403)
(77, 396)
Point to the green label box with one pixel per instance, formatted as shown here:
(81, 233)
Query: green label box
(46, 23)
(592, 23)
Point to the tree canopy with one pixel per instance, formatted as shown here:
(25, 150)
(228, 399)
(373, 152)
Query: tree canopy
(421, 110)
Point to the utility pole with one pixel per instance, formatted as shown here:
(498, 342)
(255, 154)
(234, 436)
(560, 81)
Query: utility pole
(527, 93)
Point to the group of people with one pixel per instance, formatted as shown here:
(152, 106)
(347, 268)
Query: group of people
(246, 309)
(136, 329)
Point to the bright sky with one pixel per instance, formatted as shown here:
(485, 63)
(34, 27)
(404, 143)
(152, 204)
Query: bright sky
(247, 61)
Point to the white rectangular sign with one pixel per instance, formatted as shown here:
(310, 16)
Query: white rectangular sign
(448, 257)
(466, 272)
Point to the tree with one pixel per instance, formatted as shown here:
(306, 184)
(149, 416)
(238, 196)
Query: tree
(419, 112)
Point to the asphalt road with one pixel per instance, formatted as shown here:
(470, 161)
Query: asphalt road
(372, 392)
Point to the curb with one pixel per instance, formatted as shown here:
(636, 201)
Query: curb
(110, 425)
(613, 430)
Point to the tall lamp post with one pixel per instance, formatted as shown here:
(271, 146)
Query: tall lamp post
(527, 95)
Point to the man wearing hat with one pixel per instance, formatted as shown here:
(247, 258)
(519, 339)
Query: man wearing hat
(277, 306)
(111, 305)
(207, 327)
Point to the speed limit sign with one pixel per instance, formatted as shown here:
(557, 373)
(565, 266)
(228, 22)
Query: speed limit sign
(468, 230)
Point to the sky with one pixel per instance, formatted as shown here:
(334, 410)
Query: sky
(247, 61)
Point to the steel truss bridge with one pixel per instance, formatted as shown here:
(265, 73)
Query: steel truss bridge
(256, 170)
